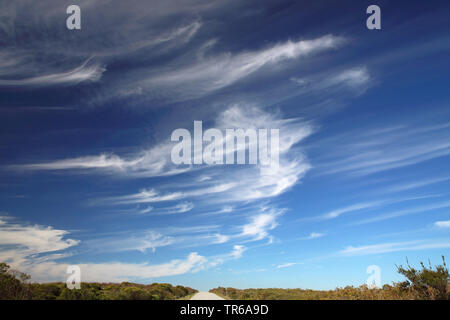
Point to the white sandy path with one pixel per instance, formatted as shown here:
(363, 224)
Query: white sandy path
(206, 296)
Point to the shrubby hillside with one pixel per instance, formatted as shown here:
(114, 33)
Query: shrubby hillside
(15, 285)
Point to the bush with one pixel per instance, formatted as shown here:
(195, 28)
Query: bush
(12, 284)
(427, 283)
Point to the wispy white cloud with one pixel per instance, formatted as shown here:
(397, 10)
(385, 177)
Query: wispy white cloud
(146, 210)
(117, 271)
(135, 242)
(220, 238)
(414, 185)
(85, 72)
(355, 77)
(151, 162)
(315, 235)
(23, 241)
(179, 208)
(256, 182)
(37, 48)
(241, 183)
(213, 73)
(153, 238)
(369, 151)
(173, 37)
(352, 208)
(394, 246)
(153, 196)
(260, 224)
(404, 212)
(287, 265)
(35, 249)
(226, 209)
(88, 162)
(442, 224)
(190, 229)
(369, 205)
(238, 251)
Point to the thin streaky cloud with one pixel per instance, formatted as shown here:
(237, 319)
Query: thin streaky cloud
(26, 241)
(287, 265)
(400, 213)
(85, 72)
(356, 207)
(134, 242)
(146, 210)
(179, 208)
(395, 246)
(370, 205)
(442, 224)
(213, 73)
(414, 185)
(361, 153)
(153, 196)
(315, 235)
(150, 162)
(260, 224)
(118, 271)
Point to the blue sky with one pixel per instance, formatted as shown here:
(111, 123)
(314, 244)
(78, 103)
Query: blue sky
(86, 176)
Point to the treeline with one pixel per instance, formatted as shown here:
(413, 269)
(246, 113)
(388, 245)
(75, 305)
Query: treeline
(425, 283)
(15, 285)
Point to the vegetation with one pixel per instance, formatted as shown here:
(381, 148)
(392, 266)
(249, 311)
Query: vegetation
(427, 283)
(12, 283)
(15, 285)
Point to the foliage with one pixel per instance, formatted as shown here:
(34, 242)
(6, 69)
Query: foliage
(422, 284)
(14, 285)
(427, 283)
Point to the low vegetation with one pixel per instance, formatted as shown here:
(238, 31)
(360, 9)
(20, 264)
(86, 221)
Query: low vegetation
(15, 285)
(426, 283)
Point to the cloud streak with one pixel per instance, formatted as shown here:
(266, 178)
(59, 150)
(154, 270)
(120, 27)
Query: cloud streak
(214, 73)
(393, 247)
(442, 224)
(404, 212)
(260, 224)
(36, 249)
(287, 265)
(25, 241)
(85, 72)
(368, 151)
